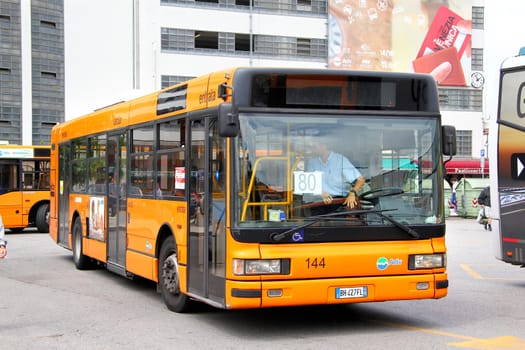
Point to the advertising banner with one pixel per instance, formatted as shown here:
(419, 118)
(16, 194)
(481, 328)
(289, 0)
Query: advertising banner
(424, 36)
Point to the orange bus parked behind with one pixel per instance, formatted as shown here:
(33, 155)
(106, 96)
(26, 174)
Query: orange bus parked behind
(24, 187)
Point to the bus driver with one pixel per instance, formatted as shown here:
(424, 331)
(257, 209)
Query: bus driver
(338, 176)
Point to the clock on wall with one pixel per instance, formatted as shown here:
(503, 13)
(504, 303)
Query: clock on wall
(477, 80)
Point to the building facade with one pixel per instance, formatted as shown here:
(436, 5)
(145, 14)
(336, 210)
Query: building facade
(116, 50)
(31, 70)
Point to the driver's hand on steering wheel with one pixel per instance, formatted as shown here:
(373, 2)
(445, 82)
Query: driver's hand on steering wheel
(327, 198)
(350, 201)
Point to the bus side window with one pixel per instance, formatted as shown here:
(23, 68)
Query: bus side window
(43, 183)
(28, 181)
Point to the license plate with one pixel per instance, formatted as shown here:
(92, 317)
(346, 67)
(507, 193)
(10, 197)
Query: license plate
(351, 292)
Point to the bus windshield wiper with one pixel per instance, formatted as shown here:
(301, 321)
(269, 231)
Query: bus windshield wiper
(278, 236)
(413, 233)
(396, 223)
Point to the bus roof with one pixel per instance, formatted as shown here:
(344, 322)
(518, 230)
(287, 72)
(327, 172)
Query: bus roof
(264, 87)
(511, 62)
(24, 151)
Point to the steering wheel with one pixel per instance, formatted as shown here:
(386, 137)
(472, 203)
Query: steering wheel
(381, 192)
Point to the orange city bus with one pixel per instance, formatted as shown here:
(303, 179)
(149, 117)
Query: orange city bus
(24, 187)
(204, 188)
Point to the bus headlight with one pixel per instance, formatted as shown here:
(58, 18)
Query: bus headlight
(243, 267)
(427, 261)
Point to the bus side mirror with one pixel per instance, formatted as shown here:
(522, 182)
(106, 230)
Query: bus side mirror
(228, 121)
(448, 133)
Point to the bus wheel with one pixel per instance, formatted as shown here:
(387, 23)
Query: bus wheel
(42, 218)
(81, 261)
(169, 278)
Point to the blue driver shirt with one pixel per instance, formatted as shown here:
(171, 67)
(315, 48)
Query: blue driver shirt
(338, 173)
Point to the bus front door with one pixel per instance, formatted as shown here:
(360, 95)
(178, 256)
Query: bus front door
(11, 198)
(116, 212)
(207, 252)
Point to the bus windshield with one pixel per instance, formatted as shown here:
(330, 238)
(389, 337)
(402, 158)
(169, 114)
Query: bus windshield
(281, 177)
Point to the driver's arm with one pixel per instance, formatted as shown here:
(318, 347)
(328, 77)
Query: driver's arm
(351, 200)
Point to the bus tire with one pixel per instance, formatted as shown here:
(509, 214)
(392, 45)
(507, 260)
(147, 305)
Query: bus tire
(42, 218)
(169, 278)
(82, 262)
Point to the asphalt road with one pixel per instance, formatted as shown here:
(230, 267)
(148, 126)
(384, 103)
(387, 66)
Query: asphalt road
(45, 303)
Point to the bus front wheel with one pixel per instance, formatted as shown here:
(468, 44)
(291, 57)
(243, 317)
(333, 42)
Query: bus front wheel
(169, 278)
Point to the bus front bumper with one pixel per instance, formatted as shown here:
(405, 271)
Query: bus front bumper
(261, 294)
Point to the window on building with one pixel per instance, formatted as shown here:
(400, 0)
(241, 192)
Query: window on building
(304, 5)
(454, 99)
(464, 142)
(303, 47)
(477, 59)
(274, 46)
(263, 45)
(318, 7)
(169, 80)
(5, 21)
(318, 47)
(226, 42)
(48, 24)
(48, 75)
(206, 40)
(242, 42)
(478, 17)
(177, 39)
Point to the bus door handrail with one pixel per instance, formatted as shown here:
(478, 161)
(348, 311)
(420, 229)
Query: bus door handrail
(251, 187)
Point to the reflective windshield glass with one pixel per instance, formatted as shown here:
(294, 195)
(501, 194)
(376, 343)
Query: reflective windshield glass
(292, 168)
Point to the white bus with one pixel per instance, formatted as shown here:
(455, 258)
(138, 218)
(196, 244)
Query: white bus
(507, 156)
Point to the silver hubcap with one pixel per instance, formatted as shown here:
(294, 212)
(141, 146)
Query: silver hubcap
(170, 274)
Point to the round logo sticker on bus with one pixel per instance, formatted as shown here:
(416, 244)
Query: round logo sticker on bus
(382, 263)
